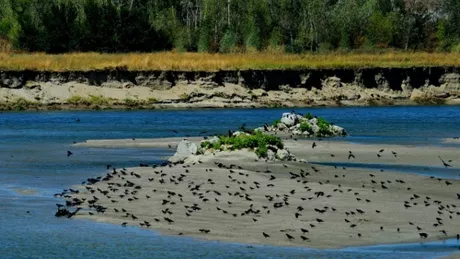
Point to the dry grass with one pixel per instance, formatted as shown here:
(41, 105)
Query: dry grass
(212, 62)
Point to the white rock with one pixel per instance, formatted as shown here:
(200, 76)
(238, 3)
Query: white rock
(185, 149)
(213, 140)
(237, 133)
(315, 128)
(289, 119)
(314, 121)
(282, 154)
(338, 130)
(259, 129)
(281, 126)
(296, 132)
(271, 155)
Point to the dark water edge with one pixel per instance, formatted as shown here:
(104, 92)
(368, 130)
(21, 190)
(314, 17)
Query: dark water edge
(32, 156)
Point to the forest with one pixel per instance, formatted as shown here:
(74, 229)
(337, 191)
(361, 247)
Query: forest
(228, 26)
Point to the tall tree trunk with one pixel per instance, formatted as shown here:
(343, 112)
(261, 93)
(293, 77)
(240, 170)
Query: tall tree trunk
(228, 13)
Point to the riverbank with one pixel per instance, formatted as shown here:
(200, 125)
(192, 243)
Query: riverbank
(124, 89)
(238, 197)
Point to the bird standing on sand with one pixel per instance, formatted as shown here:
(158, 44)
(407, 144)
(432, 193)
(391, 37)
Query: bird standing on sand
(350, 155)
(289, 237)
(313, 145)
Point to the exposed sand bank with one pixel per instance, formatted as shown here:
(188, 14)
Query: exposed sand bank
(238, 204)
(25, 191)
(364, 153)
(455, 140)
(138, 143)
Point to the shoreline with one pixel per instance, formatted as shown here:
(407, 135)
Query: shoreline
(19, 106)
(249, 228)
(125, 89)
(355, 248)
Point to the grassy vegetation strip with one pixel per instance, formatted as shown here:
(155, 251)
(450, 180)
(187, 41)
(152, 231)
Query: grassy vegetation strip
(253, 140)
(212, 62)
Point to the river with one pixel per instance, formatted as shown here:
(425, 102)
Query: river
(34, 166)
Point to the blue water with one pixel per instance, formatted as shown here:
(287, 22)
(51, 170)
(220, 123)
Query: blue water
(33, 148)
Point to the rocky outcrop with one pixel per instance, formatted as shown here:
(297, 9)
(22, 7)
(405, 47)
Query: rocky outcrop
(185, 149)
(379, 78)
(306, 125)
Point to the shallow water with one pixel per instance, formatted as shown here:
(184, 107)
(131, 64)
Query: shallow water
(33, 148)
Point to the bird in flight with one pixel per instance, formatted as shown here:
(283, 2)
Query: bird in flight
(444, 163)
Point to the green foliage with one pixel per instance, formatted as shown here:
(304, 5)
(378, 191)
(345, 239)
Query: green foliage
(308, 116)
(206, 144)
(262, 151)
(211, 26)
(19, 104)
(228, 42)
(92, 100)
(323, 127)
(76, 100)
(276, 122)
(132, 103)
(380, 30)
(256, 141)
(305, 126)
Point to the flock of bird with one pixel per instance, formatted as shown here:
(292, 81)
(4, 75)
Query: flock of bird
(240, 200)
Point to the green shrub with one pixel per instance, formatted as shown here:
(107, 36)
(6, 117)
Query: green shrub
(98, 100)
(132, 103)
(308, 116)
(323, 127)
(75, 100)
(276, 122)
(262, 151)
(206, 144)
(305, 126)
(228, 42)
(21, 104)
(217, 145)
(323, 123)
(256, 141)
(91, 100)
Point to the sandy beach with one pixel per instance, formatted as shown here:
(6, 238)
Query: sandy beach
(234, 196)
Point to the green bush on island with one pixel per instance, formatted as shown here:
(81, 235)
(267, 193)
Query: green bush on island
(257, 141)
(323, 126)
(308, 116)
(305, 126)
(276, 122)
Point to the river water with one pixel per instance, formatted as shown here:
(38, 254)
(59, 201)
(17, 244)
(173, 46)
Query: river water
(33, 147)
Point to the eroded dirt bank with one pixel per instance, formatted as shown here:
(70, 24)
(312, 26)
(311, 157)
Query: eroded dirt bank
(248, 88)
